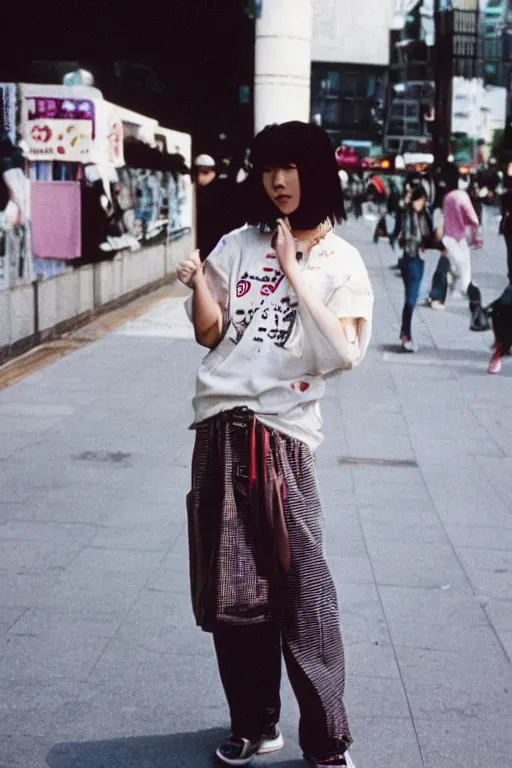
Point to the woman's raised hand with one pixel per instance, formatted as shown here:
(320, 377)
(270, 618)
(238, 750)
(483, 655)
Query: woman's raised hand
(189, 268)
(285, 247)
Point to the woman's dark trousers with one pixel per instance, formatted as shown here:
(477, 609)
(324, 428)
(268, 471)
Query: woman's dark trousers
(439, 288)
(412, 275)
(508, 242)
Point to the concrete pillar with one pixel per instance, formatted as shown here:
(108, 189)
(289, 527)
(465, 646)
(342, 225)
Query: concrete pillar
(283, 62)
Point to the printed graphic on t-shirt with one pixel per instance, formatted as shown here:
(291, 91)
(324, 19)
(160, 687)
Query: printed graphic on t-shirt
(272, 319)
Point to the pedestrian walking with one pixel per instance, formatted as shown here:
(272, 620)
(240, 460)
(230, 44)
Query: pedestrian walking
(217, 202)
(358, 193)
(500, 312)
(386, 225)
(280, 303)
(412, 181)
(416, 235)
(461, 231)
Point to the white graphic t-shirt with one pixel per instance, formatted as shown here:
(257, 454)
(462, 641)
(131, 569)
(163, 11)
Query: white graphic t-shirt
(273, 356)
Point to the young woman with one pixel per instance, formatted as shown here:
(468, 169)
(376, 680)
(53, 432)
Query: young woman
(416, 234)
(279, 308)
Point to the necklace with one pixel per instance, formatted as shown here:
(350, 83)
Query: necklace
(304, 247)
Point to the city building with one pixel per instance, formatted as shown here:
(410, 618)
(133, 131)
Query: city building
(411, 86)
(478, 103)
(350, 58)
(478, 110)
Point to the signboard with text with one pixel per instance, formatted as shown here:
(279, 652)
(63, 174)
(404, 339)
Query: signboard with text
(59, 129)
(108, 144)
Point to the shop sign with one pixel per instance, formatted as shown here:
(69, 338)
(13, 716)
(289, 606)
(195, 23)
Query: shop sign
(58, 129)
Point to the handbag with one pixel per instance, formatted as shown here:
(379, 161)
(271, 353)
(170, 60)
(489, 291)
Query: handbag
(480, 319)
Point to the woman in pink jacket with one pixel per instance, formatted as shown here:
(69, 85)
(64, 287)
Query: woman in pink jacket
(461, 230)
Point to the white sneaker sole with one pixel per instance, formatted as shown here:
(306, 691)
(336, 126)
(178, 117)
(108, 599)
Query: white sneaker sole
(272, 745)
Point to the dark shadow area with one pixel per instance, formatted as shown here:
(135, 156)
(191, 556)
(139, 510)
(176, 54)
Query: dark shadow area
(177, 750)
(396, 349)
(445, 355)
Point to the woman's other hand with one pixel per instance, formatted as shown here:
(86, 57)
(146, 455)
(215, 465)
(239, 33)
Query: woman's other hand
(188, 269)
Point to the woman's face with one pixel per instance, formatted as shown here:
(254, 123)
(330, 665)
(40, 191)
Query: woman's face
(419, 205)
(282, 185)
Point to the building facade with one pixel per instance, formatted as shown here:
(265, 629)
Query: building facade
(350, 57)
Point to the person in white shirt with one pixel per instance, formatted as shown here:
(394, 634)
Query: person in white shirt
(280, 303)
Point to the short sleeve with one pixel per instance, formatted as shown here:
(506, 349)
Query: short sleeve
(352, 295)
(218, 268)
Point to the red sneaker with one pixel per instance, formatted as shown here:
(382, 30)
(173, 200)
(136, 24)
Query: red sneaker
(495, 363)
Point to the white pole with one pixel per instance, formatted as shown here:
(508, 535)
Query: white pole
(283, 62)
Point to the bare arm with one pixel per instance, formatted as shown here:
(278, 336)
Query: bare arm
(207, 315)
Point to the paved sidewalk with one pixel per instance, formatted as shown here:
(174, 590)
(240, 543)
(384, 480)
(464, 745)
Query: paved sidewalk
(100, 661)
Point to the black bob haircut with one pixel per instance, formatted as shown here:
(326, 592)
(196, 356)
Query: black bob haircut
(309, 148)
(419, 193)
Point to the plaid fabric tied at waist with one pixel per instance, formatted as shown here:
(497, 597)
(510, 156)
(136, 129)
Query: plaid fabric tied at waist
(238, 538)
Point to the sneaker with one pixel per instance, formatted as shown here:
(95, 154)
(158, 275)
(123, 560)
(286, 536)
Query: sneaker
(436, 305)
(495, 364)
(238, 751)
(339, 761)
(271, 743)
(407, 345)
